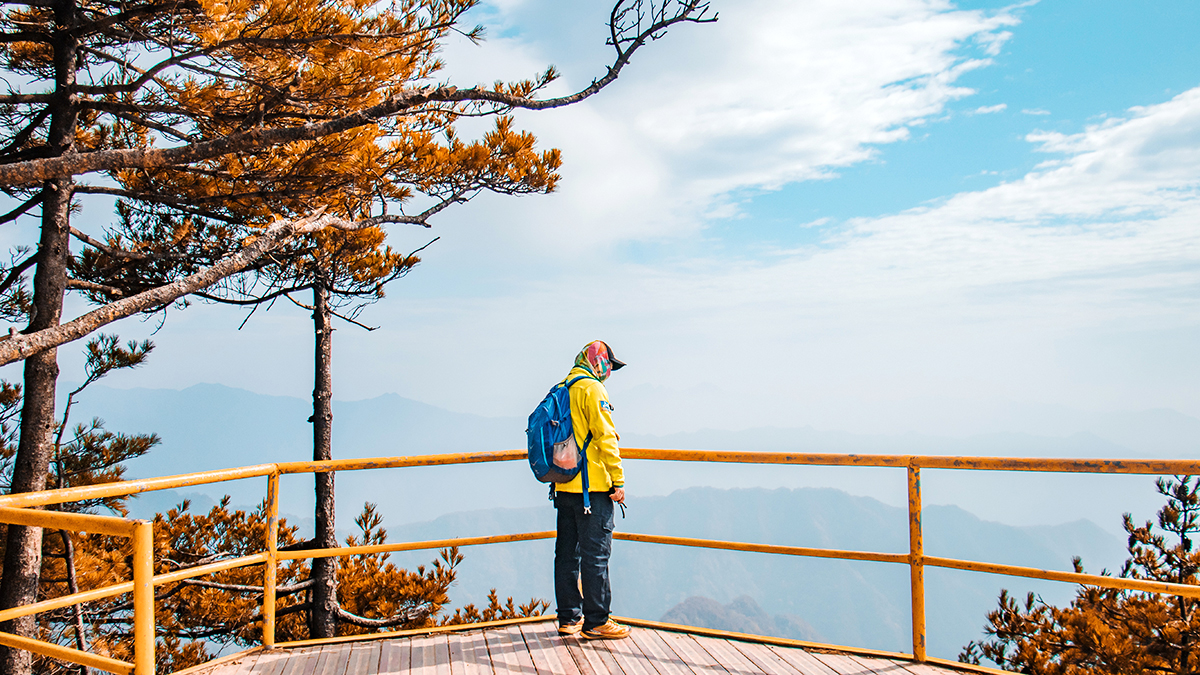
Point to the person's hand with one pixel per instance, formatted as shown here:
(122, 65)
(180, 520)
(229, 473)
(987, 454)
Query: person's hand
(618, 495)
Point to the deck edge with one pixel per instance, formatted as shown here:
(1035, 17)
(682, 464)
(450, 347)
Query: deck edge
(201, 667)
(805, 644)
(458, 627)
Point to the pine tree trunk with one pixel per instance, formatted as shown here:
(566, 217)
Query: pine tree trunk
(23, 553)
(323, 617)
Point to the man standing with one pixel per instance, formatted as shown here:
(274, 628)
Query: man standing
(584, 540)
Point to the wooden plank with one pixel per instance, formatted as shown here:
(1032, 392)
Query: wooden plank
(356, 662)
(504, 646)
(549, 654)
(321, 662)
(339, 660)
(270, 663)
(658, 653)
(845, 664)
(241, 666)
(442, 655)
(914, 668)
(296, 661)
(394, 657)
(469, 654)
(893, 667)
(310, 662)
(517, 639)
(332, 658)
(602, 652)
(802, 660)
(729, 658)
(430, 655)
(423, 657)
(629, 656)
(766, 660)
(586, 657)
(691, 652)
(881, 666)
(374, 652)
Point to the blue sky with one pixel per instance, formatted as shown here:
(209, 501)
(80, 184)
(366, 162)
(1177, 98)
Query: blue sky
(886, 215)
(1068, 64)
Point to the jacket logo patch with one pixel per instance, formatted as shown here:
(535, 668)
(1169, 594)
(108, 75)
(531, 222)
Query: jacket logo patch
(607, 406)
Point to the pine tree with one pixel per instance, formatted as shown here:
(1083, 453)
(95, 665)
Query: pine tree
(1106, 631)
(207, 118)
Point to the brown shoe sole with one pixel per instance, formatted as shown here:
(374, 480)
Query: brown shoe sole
(606, 636)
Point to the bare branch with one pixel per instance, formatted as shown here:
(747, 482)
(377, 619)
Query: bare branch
(20, 210)
(252, 301)
(25, 98)
(8, 38)
(393, 620)
(80, 285)
(23, 136)
(22, 346)
(422, 218)
(15, 273)
(331, 311)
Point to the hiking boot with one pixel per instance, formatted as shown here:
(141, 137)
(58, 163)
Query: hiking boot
(610, 630)
(568, 629)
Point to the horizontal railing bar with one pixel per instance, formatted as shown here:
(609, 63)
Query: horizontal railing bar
(1064, 465)
(66, 601)
(411, 546)
(211, 568)
(327, 465)
(832, 459)
(765, 548)
(1059, 465)
(66, 654)
(1106, 466)
(130, 487)
(1186, 590)
(127, 587)
(62, 520)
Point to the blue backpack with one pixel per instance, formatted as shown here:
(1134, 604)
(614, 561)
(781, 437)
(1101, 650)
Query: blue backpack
(554, 455)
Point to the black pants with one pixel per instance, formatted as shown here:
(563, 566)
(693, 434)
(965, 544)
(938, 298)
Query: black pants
(581, 554)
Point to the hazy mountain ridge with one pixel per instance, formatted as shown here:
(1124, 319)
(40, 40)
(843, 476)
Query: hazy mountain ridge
(742, 615)
(844, 602)
(209, 426)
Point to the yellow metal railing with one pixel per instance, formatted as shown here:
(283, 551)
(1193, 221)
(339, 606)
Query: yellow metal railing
(19, 509)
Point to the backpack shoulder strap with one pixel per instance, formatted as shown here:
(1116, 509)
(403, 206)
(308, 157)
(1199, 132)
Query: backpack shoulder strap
(581, 377)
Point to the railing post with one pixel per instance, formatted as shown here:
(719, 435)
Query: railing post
(916, 560)
(269, 572)
(143, 598)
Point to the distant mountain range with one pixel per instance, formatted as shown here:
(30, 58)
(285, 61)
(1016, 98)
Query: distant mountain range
(211, 426)
(1049, 518)
(843, 602)
(742, 615)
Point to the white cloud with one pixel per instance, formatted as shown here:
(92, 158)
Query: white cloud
(989, 109)
(1034, 111)
(974, 296)
(774, 92)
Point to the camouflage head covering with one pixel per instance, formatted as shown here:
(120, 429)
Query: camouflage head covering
(595, 359)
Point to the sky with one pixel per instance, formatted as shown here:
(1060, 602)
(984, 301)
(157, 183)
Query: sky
(884, 216)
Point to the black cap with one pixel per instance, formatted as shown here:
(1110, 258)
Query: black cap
(616, 365)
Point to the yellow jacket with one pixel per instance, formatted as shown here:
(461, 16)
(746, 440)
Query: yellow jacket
(591, 411)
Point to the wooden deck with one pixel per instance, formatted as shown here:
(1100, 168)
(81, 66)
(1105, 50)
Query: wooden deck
(536, 649)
